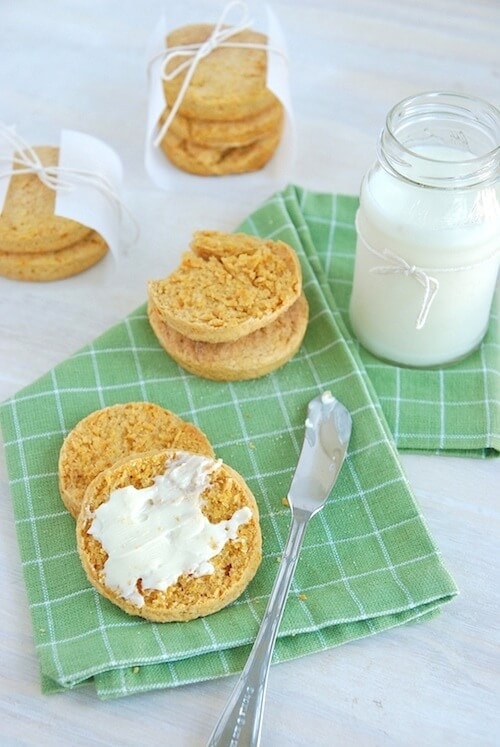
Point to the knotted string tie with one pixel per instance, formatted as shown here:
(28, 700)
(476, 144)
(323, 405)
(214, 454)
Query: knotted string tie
(25, 160)
(195, 52)
(396, 265)
(400, 266)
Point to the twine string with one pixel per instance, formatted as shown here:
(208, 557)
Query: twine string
(195, 52)
(397, 265)
(25, 160)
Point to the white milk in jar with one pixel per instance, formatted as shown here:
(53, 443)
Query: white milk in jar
(428, 228)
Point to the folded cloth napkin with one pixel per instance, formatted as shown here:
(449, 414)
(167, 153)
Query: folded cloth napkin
(451, 410)
(367, 564)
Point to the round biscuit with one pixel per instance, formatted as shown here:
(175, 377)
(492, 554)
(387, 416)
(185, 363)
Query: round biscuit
(228, 286)
(47, 266)
(227, 134)
(189, 597)
(112, 433)
(229, 83)
(219, 161)
(27, 221)
(251, 356)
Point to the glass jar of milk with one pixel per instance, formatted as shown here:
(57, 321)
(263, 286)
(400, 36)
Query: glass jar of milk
(428, 232)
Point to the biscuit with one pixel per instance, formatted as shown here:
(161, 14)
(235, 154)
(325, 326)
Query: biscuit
(187, 595)
(227, 286)
(56, 265)
(219, 161)
(27, 222)
(113, 433)
(229, 83)
(249, 357)
(233, 133)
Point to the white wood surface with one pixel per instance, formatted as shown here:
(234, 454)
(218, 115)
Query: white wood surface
(80, 64)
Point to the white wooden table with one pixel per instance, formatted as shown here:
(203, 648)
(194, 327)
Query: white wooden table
(80, 64)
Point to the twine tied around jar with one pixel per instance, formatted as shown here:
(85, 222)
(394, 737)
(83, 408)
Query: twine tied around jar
(195, 52)
(400, 266)
(397, 265)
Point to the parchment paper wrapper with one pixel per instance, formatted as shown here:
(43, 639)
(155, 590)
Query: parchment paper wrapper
(164, 174)
(84, 202)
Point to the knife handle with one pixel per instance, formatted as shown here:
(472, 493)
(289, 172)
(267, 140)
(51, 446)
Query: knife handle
(240, 724)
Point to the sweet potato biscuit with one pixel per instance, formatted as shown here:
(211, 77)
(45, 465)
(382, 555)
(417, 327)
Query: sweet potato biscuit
(219, 161)
(113, 433)
(251, 356)
(227, 134)
(28, 223)
(46, 266)
(190, 596)
(229, 83)
(227, 286)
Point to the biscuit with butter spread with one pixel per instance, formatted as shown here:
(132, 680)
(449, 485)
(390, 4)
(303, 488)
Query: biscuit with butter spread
(227, 286)
(249, 357)
(113, 433)
(169, 536)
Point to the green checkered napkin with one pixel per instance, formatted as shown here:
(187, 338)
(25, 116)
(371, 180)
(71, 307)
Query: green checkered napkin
(368, 562)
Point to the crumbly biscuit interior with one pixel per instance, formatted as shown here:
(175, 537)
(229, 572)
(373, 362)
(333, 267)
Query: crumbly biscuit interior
(226, 280)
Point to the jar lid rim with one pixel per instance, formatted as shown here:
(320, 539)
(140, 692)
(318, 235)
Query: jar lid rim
(447, 98)
(418, 126)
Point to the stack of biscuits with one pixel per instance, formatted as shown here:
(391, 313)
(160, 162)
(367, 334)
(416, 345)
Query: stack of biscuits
(132, 445)
(35, 244)
(234, 309)
(228, 121)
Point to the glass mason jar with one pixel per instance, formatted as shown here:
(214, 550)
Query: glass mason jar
(428, 232)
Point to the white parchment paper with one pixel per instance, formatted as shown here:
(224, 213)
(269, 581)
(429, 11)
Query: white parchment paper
(95, 173)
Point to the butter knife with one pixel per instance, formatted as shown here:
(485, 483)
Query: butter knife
(327, 433)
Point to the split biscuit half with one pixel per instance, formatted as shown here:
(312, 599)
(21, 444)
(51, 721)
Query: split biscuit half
(227, 286)
(249, 357)
(141, 591)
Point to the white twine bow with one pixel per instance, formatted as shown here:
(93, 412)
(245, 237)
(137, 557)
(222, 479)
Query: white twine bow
(400, 266)
(25, 160)
(396, 265)
(194, 53)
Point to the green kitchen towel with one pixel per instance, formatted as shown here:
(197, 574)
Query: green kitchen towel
(451, 410)
(368, 561)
